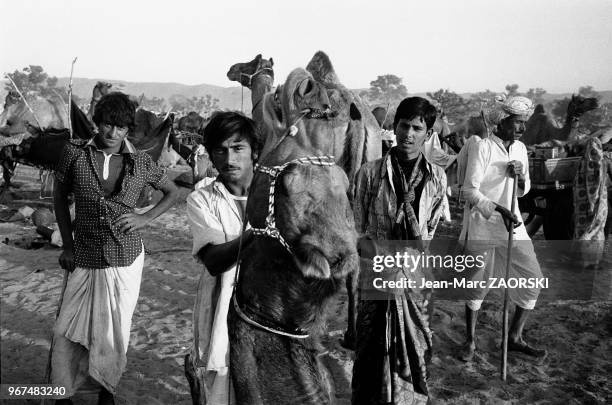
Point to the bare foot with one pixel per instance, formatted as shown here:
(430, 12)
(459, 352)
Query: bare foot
(467, 351)
(522, 347)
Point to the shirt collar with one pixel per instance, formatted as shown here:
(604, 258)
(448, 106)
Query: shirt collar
(499, 142)
(386, 167)
(126, 146)
(426, 164)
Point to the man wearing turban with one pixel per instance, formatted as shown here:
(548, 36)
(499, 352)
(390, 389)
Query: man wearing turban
(493, 164)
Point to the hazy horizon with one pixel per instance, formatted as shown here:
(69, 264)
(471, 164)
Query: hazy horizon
(558, 45)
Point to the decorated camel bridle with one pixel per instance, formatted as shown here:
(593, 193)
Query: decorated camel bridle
(270, 230)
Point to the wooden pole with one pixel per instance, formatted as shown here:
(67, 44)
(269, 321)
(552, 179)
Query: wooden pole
(504, 359)
(70, 98)
(24, 100)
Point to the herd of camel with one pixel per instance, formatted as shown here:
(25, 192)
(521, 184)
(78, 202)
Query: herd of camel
(319, 133)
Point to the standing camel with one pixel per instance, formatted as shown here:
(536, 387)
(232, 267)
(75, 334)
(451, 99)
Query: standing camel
(540, 128)
(355, 123)
(304, 248)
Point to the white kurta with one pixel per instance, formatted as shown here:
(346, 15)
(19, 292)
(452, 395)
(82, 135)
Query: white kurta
(433, 152)
(486, 183)
(215, 219)
(432, 149)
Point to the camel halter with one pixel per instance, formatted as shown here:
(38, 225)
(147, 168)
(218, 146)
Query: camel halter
(272, 231)
(274, 172)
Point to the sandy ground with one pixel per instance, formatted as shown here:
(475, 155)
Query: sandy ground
(577, 334)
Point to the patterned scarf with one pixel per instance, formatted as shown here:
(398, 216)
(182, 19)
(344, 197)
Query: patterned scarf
(406, 224)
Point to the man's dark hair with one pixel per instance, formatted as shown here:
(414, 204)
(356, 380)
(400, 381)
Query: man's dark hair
(224, 124)
(115, 109)
(413, 107)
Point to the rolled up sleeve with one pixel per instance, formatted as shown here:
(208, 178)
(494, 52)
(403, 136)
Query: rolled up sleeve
(478, 156)
(205, 226)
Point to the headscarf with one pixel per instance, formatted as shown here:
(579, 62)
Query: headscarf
(505, 107)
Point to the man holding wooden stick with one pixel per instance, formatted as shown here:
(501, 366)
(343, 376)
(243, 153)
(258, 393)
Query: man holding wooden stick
(494, 164)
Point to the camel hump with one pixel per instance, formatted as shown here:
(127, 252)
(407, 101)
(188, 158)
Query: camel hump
(322, 69)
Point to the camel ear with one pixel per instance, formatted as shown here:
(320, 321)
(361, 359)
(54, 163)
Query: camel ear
(271, 62)
(305, 87)
(315, 264)
(322, 69)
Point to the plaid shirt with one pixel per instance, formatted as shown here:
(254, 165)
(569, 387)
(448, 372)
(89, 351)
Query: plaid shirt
(375, 200)
(97, 242)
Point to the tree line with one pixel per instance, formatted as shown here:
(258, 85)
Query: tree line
(388, 90)
(33, 80)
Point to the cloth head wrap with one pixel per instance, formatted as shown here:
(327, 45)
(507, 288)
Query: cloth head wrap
(387, 135)
(503, 108)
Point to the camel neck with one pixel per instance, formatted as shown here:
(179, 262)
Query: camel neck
(262, 83)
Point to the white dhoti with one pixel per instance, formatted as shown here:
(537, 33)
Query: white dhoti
(92, 332)
(487, 240)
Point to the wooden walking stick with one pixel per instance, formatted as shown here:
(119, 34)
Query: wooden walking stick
(70, 98)
(504, 360)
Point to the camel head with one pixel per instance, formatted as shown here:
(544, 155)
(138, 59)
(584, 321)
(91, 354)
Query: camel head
(324, 115)
(579, 105)
(244, 73)
(314, 216)
(101, 89)
(192, 122)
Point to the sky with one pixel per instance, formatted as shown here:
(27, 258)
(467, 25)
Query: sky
(464, 46)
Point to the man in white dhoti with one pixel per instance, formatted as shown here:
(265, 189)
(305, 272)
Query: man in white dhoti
(493, 164)
(216, 211)
(105, 257)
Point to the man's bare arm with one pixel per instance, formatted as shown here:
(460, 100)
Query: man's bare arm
(64, 222)
(171, 194)
(132, 222)
(219, 258)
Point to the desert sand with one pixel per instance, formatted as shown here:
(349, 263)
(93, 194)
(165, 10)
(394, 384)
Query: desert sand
(577, 334)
